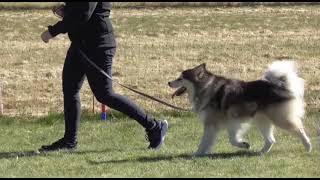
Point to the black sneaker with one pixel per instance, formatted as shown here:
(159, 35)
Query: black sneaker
(59, 145)
(157, 134)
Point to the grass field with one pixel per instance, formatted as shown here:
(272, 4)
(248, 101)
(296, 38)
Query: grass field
(117, 148)
(154, 45)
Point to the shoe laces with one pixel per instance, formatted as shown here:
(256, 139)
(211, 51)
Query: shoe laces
(148, 135)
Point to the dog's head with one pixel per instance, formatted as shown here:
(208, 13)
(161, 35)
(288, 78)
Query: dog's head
(188, 79)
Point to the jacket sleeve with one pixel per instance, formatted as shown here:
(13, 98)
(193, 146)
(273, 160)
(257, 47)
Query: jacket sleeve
(75, 14)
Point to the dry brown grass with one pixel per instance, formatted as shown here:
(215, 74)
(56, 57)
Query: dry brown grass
(48, 5)
(154, 45)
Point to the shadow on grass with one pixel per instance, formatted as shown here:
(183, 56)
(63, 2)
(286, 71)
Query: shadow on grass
(183, 156)
(32, 153)
(9, 155)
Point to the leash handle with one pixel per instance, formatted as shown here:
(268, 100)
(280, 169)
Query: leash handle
(127, 87)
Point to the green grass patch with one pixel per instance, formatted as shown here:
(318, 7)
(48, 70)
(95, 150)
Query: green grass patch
(117, 148)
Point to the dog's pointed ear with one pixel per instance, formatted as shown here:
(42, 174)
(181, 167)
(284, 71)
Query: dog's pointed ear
(203, 65)
(201, 69)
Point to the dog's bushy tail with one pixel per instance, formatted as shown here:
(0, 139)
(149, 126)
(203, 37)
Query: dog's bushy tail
(285, 74)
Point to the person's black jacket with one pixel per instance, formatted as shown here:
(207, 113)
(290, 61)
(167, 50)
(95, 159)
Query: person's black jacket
(86, 22)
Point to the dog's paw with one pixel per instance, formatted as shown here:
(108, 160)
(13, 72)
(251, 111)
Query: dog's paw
(245, 145)
(262, 152)
(199, 154)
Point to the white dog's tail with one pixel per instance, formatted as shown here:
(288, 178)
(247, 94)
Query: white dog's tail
(285, 74)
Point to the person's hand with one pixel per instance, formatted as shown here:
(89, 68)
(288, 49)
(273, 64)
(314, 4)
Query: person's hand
(46, 36)
(58, 11)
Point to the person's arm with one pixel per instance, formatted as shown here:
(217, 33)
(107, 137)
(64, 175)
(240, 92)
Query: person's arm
(75, 14)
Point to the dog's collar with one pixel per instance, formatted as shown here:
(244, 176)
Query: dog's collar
(207, 84)
(197, 100)
(218, 95)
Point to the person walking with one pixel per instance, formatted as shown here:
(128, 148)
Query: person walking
(90, 30)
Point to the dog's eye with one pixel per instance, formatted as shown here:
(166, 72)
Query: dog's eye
(180, 77)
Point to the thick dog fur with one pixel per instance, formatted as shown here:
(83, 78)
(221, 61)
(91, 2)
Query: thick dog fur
(274, 99)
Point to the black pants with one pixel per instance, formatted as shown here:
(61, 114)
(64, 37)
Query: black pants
(74, 71)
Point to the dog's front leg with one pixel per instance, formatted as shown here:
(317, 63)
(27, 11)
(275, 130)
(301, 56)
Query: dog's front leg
(208, 140)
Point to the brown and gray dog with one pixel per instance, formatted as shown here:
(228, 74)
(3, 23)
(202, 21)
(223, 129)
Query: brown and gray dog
(275, 99)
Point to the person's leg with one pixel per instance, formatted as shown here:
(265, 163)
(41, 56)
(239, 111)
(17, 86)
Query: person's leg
(103, 91)
(72, 80)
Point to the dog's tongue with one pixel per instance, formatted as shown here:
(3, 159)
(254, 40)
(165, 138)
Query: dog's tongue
(179, 92)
